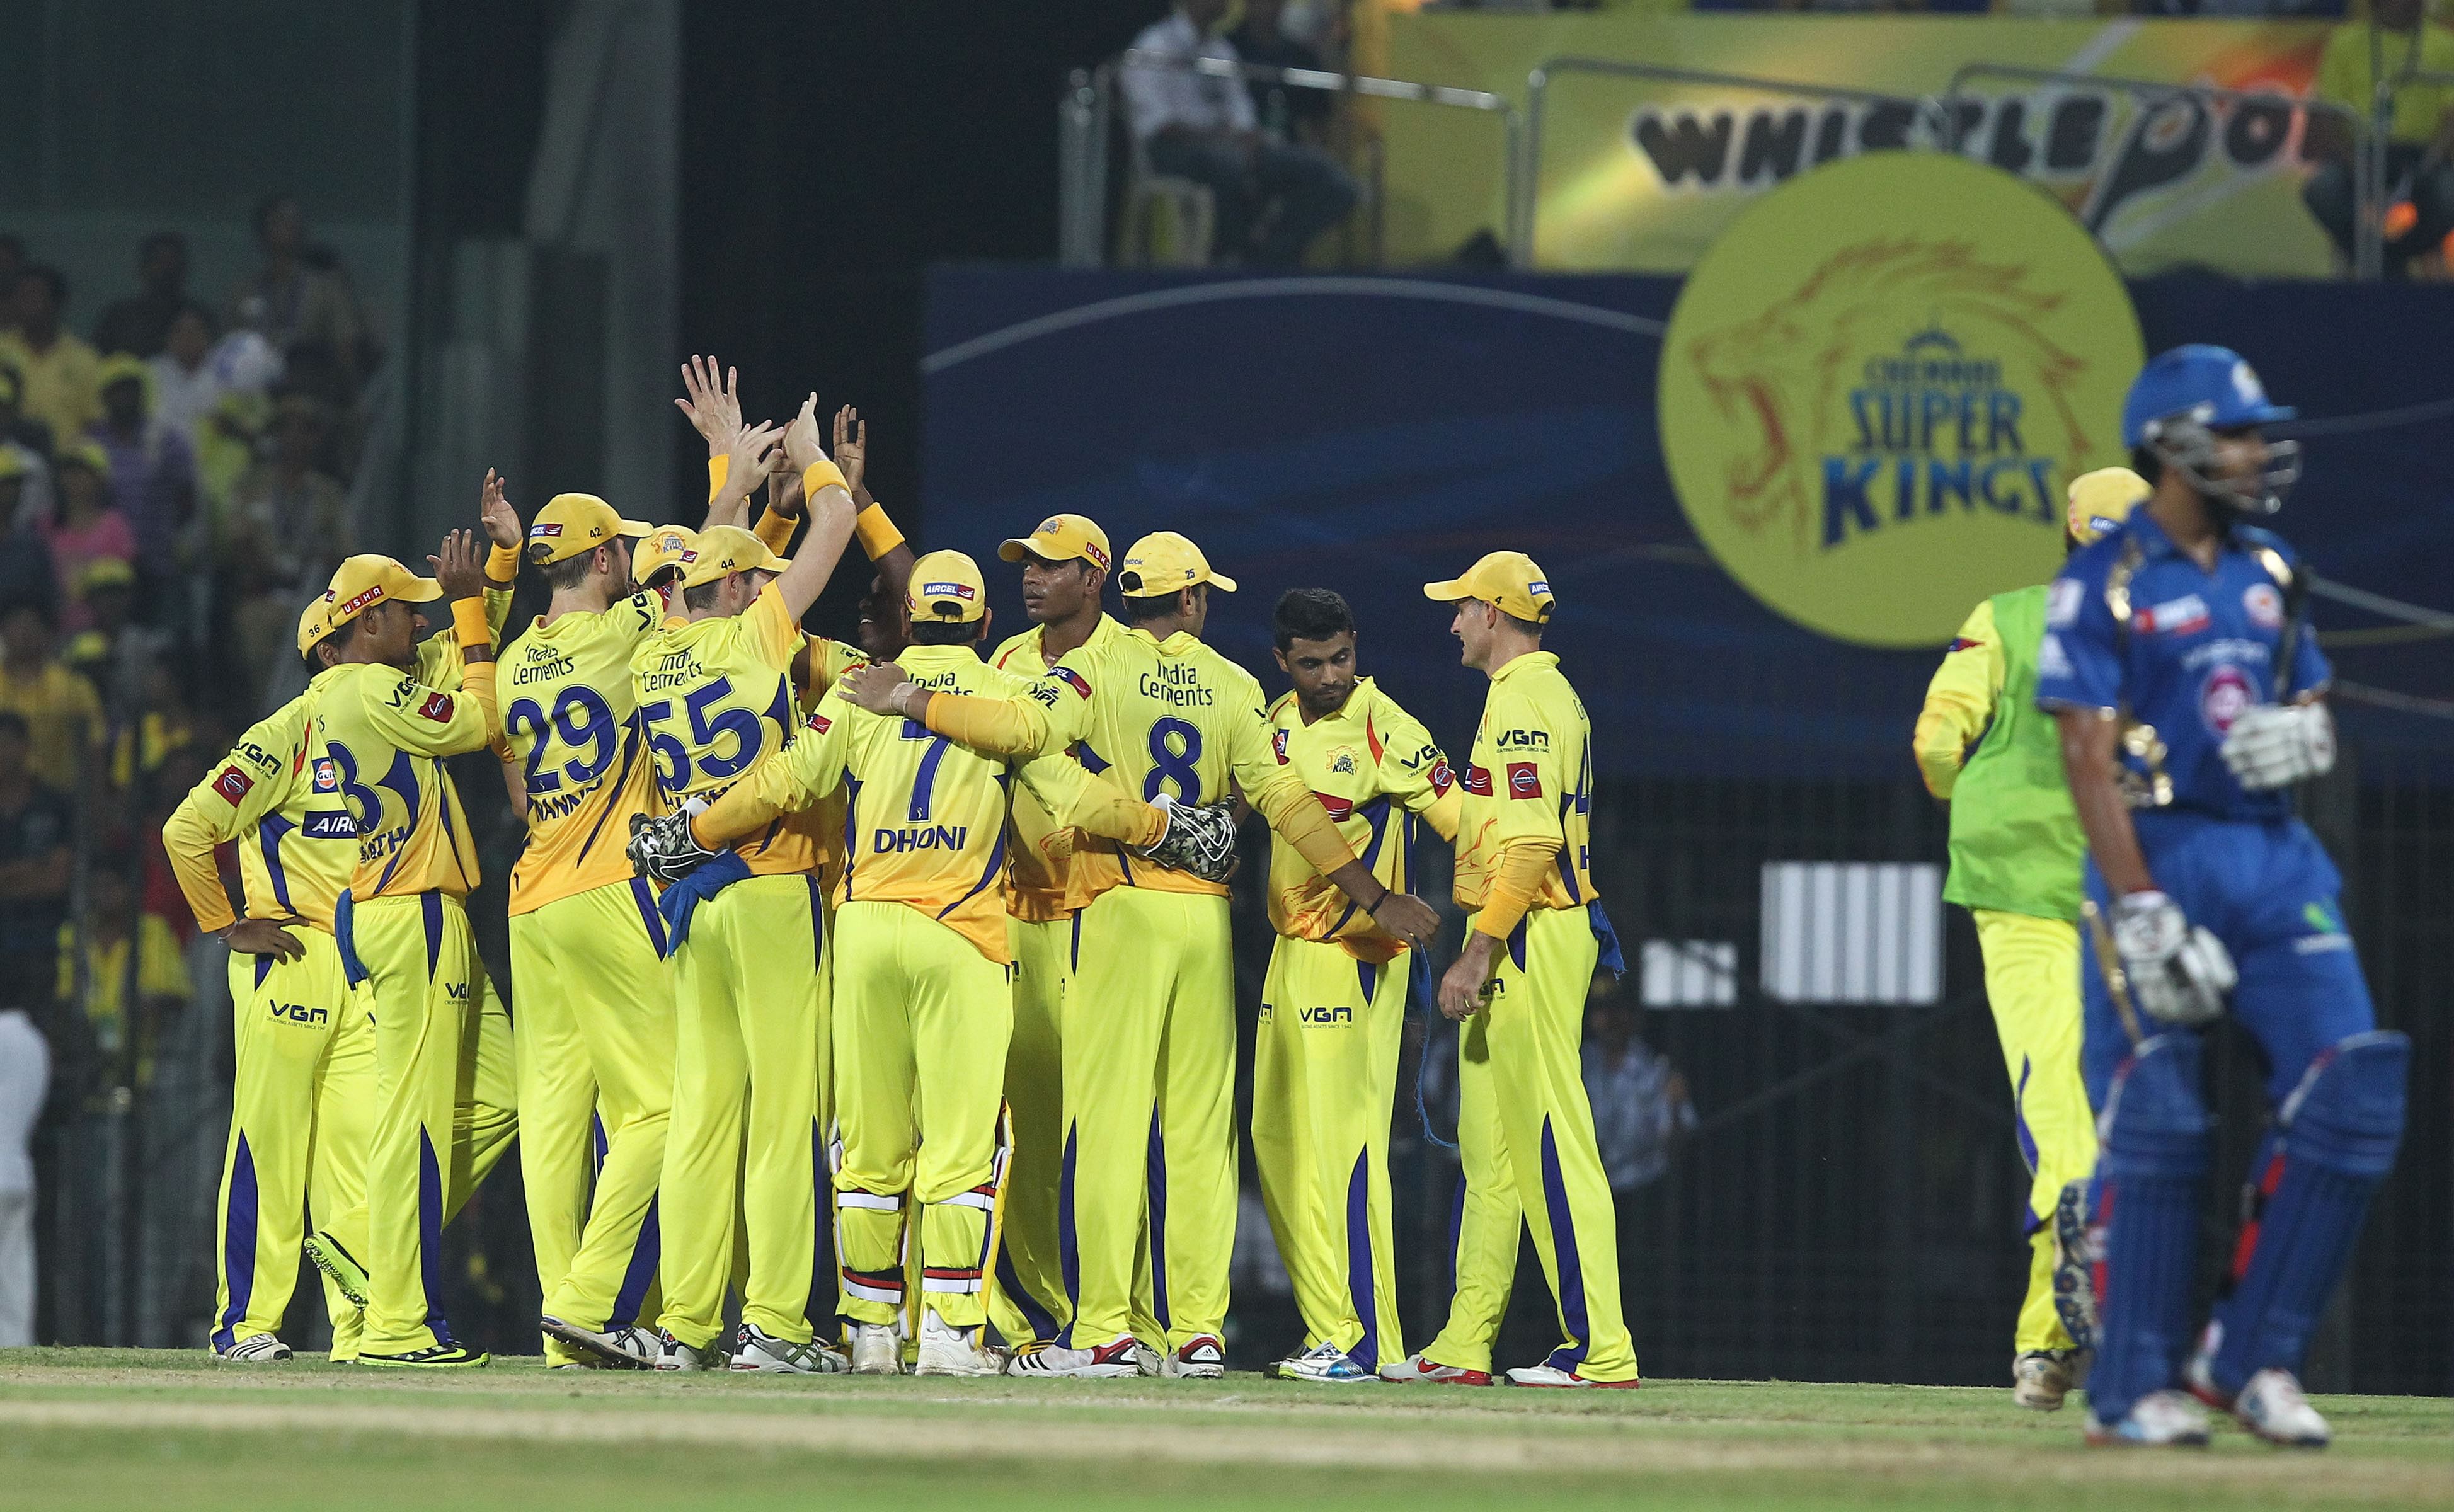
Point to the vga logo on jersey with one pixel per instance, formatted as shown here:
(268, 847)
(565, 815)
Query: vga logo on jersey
(1328, 1014)
(2224, 696)
(918, 838)
(2264, 606)
(2175, 616)
(1522, 740)
(299, 1013)
(1524, 780)
(233, 785)
(1477, 781)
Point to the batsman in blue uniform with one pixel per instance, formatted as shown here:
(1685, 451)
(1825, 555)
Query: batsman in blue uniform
(2190, 701)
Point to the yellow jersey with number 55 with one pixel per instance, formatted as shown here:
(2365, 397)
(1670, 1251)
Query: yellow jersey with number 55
(715, 698)
(571, 719)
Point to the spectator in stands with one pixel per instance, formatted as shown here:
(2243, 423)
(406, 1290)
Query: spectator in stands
(87, 525)
(37, 827)
(135, 976)
(283, 531)
(23, 461)
(60, 711)
(61, 375)
(2419, 178)
(290, 300)
(187, 384)
(140, 324)
(25, 1082)
(113, 652)
(153, 472)
(1289, 114)
(1641, 1112)
(161, 728)
(1272, 198)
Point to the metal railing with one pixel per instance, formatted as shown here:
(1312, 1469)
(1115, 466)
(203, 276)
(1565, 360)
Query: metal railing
(2368, 153)
(1086, 114)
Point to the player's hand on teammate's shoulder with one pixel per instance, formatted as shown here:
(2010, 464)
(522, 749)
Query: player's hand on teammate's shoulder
(877, 686)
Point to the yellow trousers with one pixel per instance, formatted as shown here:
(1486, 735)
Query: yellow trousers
(920, 1028)
(744, 1130)
(1324, 1074)
(1148, 1170)
(593, 1026)
(1026, 1297)
(2032, 982)
(446, 1103)
(302, 1114)
(1525, 1140)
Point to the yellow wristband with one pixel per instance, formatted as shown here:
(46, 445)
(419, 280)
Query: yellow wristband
(719, 469)
(876, 533)
(821, 474)
(503, 564)
(469, 622)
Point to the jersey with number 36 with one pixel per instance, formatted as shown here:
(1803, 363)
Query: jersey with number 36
(715, 698)
(571, 720)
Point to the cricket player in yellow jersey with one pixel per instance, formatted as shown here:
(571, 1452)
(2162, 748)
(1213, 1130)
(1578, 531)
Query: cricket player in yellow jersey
(445, 1089)
(1334, 1005)
(714, 689)
(594, 1023)
(302, 1102)
(1535, 935)
(921, 962)
(1148, 1034)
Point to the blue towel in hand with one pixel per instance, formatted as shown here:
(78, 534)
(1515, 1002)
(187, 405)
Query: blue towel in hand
(1607, 938)
(678, 900)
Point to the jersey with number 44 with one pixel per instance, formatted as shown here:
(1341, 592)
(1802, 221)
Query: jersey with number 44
(715, 698)
(571, 720)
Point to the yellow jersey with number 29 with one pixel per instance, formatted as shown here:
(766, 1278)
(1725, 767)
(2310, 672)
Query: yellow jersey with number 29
(715, 699)
(571, 717)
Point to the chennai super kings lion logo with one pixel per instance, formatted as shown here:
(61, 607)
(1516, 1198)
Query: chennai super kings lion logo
(1856, 421)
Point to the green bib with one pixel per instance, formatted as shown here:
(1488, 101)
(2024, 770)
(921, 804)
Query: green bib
(2014, 839)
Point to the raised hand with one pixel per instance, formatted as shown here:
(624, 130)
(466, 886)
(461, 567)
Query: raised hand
(851, 450)
(461, 565)
(713, 402)
(801, 437)
(750, 453)
(502, 522)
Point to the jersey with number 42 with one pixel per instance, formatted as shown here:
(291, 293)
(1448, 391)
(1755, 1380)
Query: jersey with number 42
(715, 699)
(571, 720)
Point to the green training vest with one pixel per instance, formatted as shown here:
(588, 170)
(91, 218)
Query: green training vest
(2014, 839)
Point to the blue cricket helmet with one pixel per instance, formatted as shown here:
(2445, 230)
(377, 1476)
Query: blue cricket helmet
(2214, 386)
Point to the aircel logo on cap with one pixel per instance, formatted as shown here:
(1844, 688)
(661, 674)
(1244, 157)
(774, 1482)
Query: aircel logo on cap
(545, 528)
(1538, 586)
(961, 591)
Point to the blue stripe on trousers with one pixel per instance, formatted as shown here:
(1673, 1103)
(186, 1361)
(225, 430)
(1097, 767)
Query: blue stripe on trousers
(1159, 1224)
(645, 896)
(645, 1256)
(1043, 1322)
(1358, 1261)
(238, 1243)
(1069, 1256)
(430, 1236)
(429, 907)
(1564, 1248)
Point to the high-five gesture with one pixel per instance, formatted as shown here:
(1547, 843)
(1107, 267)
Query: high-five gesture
(713, 403)
(748, 454)
(801, 436)
(460, 566)
(851, 453)
(502, 522)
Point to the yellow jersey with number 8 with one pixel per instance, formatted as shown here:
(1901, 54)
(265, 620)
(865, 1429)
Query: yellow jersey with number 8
(715, 699)
(570, 717)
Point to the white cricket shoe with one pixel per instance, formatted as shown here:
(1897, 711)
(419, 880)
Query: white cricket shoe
(946, 1350)
(2272, 1406)
(1548, 1374)
(255, 1349)
(1322, 1362)
(2042, 1378)
(1113, 1360)
(1148, 1361)
(757, 1349)
(1204, 1359)
(629, 1347)
(1424, 1370)
(877, 1349)
(671, 1354)
(2158, 1420)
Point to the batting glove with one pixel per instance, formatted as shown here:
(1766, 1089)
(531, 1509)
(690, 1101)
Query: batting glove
(663, 849)
(2274, 745)
(2178, 973)
(1200, 839)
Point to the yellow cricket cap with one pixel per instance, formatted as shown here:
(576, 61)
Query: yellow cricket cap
(12, 460)
(1509, 579)
(362, 582)
(724, 551)
(2100, 501)
(122, 367)
(572, 523)
(105, 572)
(1164, 562)
(1060, 539)
(312, 625)
(947, 589)
(88, 455)
(661, 551)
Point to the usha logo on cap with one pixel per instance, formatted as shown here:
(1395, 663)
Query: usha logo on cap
(353, 605)
(1099, 558)
(961, 591)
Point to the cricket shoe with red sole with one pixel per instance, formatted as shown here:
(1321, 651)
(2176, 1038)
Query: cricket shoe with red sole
(1110, 1362)
(1202, 1358)
(1552, 1376)
(1424, 1370)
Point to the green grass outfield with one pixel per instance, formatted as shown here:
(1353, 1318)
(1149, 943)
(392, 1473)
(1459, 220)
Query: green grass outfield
(131, 1428)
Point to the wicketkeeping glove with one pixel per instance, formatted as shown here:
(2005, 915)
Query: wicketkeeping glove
(2177, 973)
(2273, 745)
(1200, 839)
(663, 849)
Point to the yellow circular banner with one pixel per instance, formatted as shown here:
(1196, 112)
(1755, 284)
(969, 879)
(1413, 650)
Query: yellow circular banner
(1877, 383)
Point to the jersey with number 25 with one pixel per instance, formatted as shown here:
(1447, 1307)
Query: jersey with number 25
(571, 718)
(715, 697)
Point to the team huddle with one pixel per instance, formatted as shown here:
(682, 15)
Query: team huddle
(919, 938)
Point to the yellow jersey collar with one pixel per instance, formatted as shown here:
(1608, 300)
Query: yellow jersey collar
(933, 658)
(1532, 659)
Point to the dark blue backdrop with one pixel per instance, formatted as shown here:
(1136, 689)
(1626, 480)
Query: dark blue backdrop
(1369, 434)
